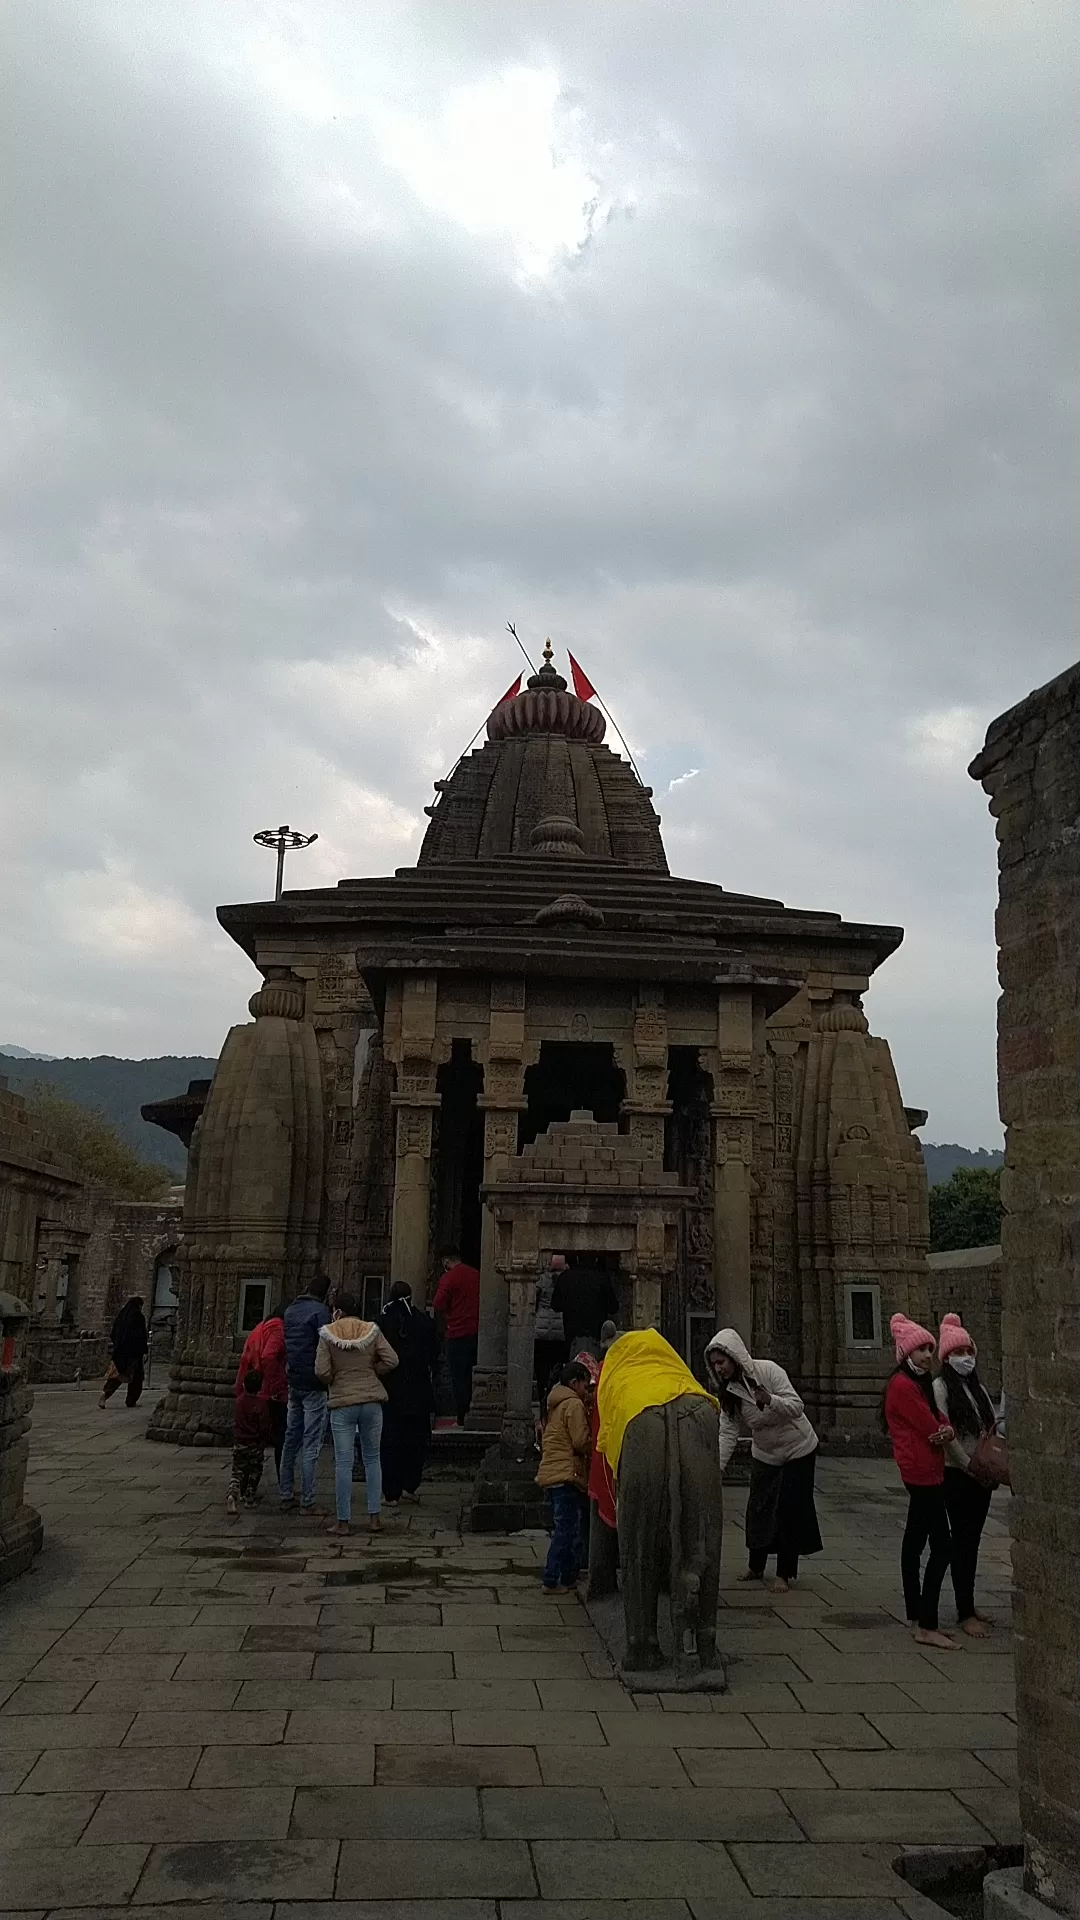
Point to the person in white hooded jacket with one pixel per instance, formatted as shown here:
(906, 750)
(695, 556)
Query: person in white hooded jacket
(351, 1356)
(780, 1514)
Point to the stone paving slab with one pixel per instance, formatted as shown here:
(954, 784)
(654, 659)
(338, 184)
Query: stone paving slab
(546, 1813)
(387, 1813)
(269, 1736)
(36, 1876)
(425, 1869)
(458, 1766)
(816, 1869)
(264, 1869)
(699, 1813)
(633, 1869)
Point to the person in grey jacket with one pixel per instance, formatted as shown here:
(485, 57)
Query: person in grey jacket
(352, 1356)
(781, 1517)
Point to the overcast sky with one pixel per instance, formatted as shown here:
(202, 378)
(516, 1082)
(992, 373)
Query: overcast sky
(733, 346)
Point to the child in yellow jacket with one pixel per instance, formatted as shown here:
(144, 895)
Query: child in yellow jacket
(564, 1470)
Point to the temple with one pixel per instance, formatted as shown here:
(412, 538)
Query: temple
(538, 1039)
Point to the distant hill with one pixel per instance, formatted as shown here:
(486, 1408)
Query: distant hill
(23, 1053)
(942, 1161)
(118, 1088)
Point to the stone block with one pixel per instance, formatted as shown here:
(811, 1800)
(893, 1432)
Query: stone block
(947, 1769)
(546, 1813)
(102, 1769)
(817, 1869)
(435, 1869)
(917, 1731)
(458, 1766)
(390, 1813)
(199, 1814)
(679, 1730)
(81, 1876)
(41, 1730)
(45, 1819)
(611, 1766)
(291, 1764)
(635, 1869)
(201, 1729)
(700, 1813)
(773, 1768)
(1004, 1897)
(213, 1870)
(497, 1729)
(912, 1817)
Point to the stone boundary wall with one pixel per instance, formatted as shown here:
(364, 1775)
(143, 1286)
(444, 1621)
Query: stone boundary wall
(1030, 767)
(967, 1281)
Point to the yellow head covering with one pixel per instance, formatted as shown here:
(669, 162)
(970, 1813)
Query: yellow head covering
(641, 1370)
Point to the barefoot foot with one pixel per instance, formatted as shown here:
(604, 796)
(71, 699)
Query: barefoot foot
(779, 1586)
(930, 1637)
(975, 1628)
(751, 1579)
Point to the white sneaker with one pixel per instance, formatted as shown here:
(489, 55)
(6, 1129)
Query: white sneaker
(230, 1505)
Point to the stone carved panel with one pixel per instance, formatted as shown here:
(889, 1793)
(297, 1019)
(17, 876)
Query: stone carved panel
(500, 1134)
(508, 996)
(414, 1131)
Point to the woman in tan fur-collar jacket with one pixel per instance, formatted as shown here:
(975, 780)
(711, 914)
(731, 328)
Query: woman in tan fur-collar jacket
(352, 1355)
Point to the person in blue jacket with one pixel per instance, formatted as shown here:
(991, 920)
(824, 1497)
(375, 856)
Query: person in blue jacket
(305, 1427)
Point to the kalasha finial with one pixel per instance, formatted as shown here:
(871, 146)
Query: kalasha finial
(549, 652)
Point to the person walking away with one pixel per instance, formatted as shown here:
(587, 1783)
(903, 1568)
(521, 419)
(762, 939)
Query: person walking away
(781, 1517)
(129, 1341)
(564, 1471)
(585, 1297)
(352, 1356)
(251, 1434)
(264, 1352)
(549, 1335)
(410, 1402)
(457, 1298)
(305, 1426)
(919, 1437)
(963, 1402)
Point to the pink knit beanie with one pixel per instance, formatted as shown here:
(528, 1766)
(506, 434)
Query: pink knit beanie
(908, 1335)
(953, 1335)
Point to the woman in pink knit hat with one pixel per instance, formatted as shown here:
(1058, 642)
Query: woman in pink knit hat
(919, 1437)
(963, 1401)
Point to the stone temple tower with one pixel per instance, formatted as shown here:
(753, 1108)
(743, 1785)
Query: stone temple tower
(415, 1036)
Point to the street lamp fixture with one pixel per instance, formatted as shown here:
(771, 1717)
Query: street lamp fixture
(284, 839)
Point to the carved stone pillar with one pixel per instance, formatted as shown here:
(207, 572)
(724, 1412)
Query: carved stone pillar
(645, 1064)
(503, 1099)
(412, 1048)
(410, 1255)
(732, 1113)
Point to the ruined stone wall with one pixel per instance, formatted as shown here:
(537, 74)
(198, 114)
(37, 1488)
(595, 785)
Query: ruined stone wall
(968, 1282)
(1030, 767)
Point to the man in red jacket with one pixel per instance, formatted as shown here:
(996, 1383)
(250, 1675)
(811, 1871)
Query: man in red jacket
(457, 1299)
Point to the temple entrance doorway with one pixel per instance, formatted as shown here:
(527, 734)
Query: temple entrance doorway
(459, 1156)
(571, 1076)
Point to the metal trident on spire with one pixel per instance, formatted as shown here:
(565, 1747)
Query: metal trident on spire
(284, 839)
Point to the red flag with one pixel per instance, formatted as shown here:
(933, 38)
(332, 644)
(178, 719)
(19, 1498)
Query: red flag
(583, 686)
(511, 693)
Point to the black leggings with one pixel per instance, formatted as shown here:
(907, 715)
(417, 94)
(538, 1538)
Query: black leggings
(968, 1503)
(927, 1520)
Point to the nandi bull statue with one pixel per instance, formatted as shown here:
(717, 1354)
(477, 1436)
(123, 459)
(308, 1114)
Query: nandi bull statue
(659, 1435)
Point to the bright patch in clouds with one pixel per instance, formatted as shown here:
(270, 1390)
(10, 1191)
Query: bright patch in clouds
(496, 162)
(681, 779)
(948, 738)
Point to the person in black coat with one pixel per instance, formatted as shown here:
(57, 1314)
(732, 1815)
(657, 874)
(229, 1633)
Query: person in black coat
(406, 1433)
(130, 1341)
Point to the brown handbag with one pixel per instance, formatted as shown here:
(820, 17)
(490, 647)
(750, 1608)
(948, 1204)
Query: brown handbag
(990, 1460)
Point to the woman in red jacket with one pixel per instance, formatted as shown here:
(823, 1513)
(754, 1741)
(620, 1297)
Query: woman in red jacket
(919, 1438)
(264, 1352)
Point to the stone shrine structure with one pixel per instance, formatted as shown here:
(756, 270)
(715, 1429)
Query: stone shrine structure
(74, 1253)
(418, 1040)
(1030, 767)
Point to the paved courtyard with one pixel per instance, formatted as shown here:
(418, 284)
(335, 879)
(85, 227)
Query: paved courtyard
(250, 1719)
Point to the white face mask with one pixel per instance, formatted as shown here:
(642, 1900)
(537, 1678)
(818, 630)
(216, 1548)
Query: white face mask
(963, 1362)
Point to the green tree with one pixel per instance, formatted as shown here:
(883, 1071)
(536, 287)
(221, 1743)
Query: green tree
(95, 1149)
(965, 1211)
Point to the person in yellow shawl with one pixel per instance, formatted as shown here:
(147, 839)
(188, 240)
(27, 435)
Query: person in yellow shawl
(660, 1434)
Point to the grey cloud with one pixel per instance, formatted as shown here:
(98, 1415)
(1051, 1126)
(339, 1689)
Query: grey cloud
(785, 453)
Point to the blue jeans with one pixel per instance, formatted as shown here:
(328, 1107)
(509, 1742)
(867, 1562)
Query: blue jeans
(569, 1540)
(305, 1427)
(347, 1424)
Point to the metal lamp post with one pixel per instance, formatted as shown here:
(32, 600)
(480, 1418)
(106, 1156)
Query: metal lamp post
(284, 839)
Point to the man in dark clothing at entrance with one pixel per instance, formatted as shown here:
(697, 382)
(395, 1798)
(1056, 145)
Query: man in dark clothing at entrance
(406, 1433)
(586, 1297)
(457, 1298)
